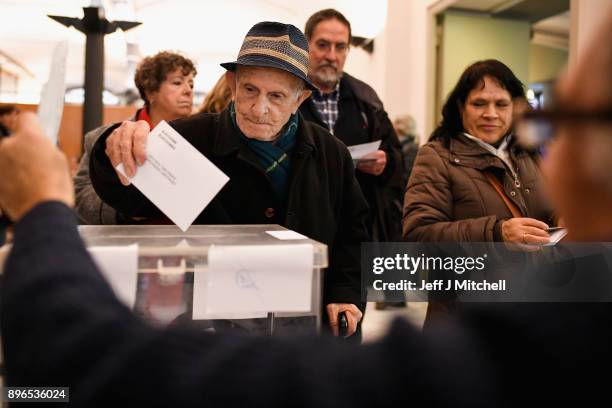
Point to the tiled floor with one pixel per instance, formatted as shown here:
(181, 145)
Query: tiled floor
(376, 322)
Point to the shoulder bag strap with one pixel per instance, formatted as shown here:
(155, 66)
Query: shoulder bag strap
(516, 212)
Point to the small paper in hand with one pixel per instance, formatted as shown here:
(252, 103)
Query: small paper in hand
(176, 177)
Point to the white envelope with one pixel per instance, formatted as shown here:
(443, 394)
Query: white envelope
(360, 150)
(176, 177)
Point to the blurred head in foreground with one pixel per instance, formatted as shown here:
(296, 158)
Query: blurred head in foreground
(578, 164)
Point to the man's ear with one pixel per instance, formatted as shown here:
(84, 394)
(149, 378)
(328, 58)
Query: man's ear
(150, 97)
(230, 78)
(304, 94)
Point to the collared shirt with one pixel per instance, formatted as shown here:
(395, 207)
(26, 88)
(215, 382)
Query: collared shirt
(327, 105)
(502, 151)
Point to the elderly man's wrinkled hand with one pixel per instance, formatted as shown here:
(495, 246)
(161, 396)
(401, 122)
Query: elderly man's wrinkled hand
(127, 145)
(33, 170)
(373, 163)
(353, 317)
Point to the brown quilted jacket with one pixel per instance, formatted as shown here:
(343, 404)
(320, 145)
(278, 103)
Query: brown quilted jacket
(449, 198)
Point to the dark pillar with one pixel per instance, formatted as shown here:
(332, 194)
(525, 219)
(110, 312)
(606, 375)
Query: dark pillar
(95, 26)
(94, 82)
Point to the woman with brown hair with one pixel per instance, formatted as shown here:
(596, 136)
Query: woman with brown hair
(165, 83)
(472, 182)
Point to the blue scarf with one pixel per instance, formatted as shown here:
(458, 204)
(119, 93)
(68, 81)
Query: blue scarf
(273, 156)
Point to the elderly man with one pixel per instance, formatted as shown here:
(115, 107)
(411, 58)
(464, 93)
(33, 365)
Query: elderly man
(62, 325)
(283, 169)
(352, 111)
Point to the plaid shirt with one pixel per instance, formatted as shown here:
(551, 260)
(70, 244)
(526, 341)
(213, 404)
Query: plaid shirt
(327, 105)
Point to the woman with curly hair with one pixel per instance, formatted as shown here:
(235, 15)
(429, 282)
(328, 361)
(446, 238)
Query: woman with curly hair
(165, 83)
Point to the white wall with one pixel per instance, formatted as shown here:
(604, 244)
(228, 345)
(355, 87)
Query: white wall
(370, 67)
(406, 62)
(397, 68)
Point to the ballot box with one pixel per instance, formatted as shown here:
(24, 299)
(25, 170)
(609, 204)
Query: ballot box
(260, 279)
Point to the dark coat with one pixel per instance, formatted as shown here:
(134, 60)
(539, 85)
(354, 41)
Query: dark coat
(62, 326)
(410, 148)
(449, 199)
(362, 119)
(4, 221)
(88, 206)
(324, 203)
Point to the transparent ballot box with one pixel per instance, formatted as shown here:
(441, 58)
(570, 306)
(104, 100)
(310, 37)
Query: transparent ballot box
(261, 279)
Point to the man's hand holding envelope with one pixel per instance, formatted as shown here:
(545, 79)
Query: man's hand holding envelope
(166, 168)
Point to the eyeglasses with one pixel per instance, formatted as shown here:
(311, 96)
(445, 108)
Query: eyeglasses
(536, 128)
